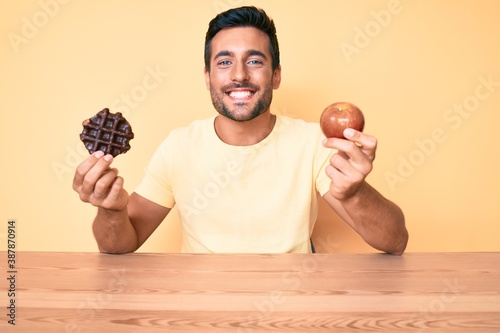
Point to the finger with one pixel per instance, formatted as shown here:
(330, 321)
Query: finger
(367, 143)
(115, 198)
(84, 167)
(358, 146)
(95, 173)
(349, 151)
(342, 163)
(116, 189)
(340, 182)
(103, 184)
(342, 185)
(115, 195)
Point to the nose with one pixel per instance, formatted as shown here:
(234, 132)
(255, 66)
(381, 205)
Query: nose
(239, 72)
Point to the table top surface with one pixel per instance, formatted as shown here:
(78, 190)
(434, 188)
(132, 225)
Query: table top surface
(92, 292)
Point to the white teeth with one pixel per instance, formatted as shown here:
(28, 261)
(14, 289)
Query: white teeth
(240, 94)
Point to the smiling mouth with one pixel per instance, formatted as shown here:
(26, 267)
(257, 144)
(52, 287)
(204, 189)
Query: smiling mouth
(240, 94)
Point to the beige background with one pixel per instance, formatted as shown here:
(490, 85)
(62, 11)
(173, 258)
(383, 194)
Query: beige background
(426, 74)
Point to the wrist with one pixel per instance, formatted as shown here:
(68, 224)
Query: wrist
(355, 195)
(111, 215)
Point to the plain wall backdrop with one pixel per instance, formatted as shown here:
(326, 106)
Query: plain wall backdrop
(425, 73)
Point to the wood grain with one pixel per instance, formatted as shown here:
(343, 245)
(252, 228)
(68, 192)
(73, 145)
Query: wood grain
(416, 292)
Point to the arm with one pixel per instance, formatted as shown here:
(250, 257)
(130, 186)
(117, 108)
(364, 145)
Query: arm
(123, 222)
(379, 221)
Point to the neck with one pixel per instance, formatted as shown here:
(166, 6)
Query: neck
(245, 133)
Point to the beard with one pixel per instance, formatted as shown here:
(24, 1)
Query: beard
(241, 111)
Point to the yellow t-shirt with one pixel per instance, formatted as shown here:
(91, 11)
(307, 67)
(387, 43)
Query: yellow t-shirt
(241, 199)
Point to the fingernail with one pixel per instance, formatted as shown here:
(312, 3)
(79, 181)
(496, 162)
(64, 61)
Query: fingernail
(99, 154)
(348, 132)
(324, 142)
(108, 158)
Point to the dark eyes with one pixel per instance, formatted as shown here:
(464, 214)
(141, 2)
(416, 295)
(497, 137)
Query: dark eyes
(255, 62)
(226, 63)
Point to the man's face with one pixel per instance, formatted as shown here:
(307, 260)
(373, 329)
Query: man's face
(241, 79)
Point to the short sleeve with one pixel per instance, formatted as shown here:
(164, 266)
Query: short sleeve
(321, 161)
(156, 185)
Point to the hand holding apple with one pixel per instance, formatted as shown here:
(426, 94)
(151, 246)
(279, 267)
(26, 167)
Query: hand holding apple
(339, 116)
(353, 157)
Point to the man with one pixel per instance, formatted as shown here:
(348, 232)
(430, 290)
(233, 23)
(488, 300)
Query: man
(245, 180)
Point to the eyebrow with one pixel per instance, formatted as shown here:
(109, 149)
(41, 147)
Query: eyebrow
(252, 52)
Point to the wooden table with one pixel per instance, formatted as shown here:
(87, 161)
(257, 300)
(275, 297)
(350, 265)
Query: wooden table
(91, 292)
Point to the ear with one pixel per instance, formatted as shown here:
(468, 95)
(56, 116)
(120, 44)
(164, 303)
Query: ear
(277, 77)
(207, 78)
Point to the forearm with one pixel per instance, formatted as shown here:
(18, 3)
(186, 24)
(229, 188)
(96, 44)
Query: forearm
(113, 231)
(379, 221)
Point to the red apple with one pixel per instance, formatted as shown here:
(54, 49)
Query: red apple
(339, 116)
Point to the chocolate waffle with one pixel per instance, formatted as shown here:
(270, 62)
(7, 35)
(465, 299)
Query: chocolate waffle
(106, 131)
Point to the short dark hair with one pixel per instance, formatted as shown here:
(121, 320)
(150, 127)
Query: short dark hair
(246, 16)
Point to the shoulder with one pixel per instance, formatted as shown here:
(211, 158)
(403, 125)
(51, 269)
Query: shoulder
(305, 137)
(298, 128)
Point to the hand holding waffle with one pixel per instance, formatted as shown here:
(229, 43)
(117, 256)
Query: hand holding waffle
(105, 136)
